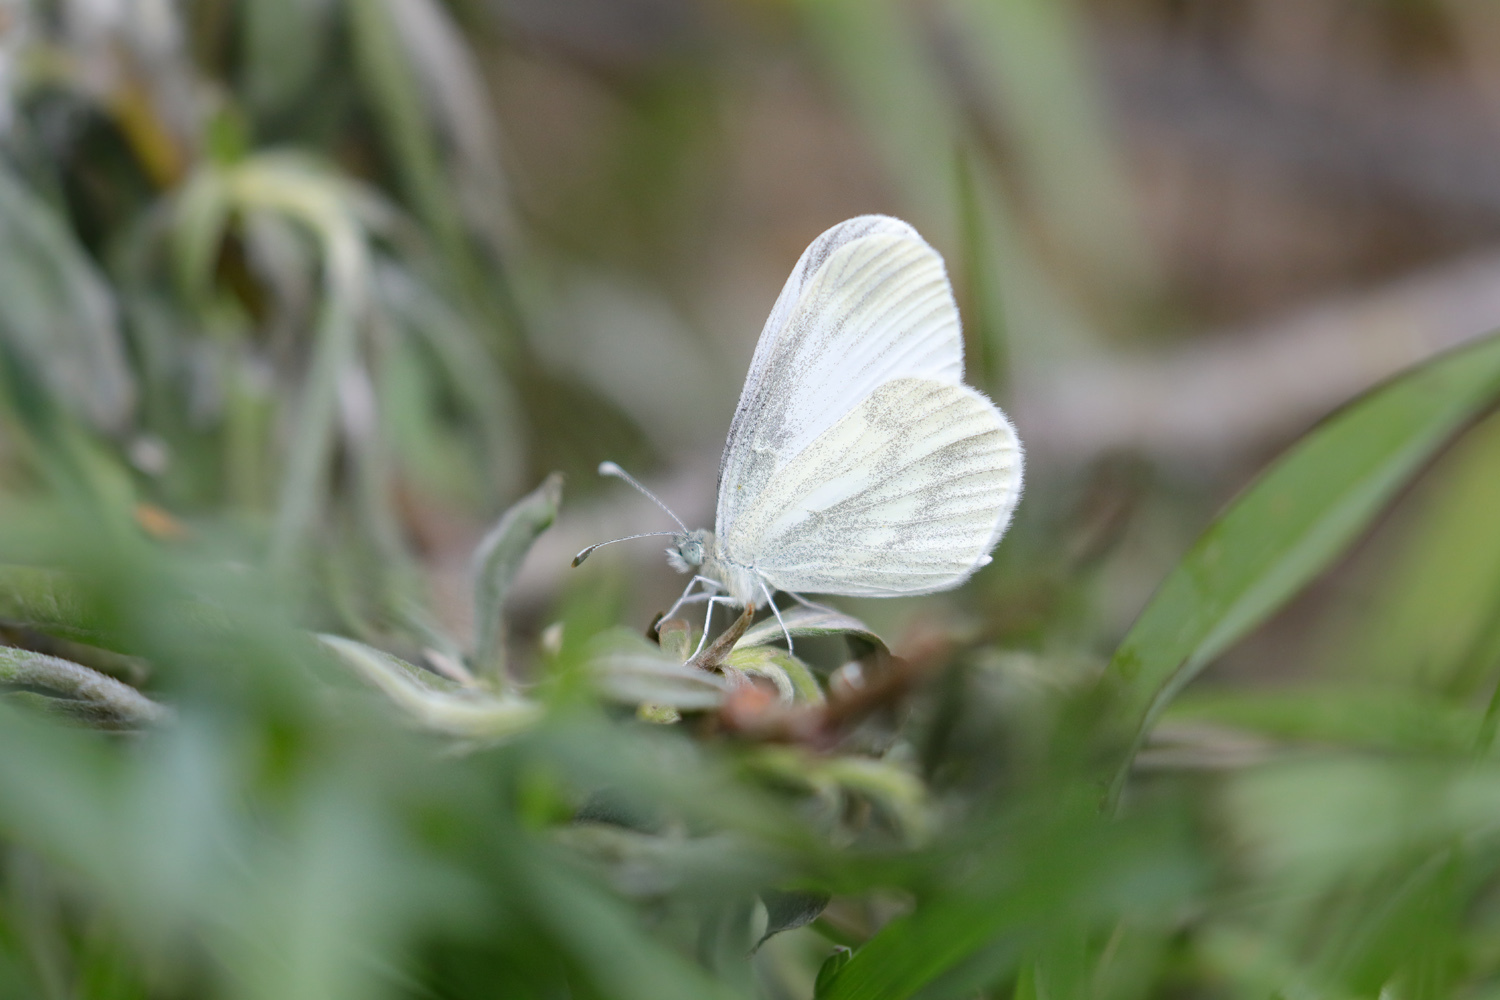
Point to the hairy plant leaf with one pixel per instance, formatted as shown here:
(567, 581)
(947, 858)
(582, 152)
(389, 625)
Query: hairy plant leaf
(496, 562)
(791, 676)
(433, 702)
(78, 691)
(631, 670)
(810, 622)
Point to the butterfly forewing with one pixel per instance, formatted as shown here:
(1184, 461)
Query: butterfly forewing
(905, 494)
(868, 302)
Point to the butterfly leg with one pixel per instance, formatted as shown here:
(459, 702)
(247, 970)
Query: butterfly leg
(697, 579)
(777, 612)
(708, 618)
(809, 604)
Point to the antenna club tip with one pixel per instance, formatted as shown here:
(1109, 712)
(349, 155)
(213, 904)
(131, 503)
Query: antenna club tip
(609, 469)
(580, 557)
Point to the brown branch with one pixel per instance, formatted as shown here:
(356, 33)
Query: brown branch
(752, 712)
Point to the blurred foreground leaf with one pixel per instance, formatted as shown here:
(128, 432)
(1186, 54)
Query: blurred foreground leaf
(1338, 715)
(1052, 865)
(78, 691)
(637, 672)
(432, 702)
(1290, 525)
(1436, 611)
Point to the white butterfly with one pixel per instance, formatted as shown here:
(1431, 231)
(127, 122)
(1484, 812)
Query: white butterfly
(858, 461)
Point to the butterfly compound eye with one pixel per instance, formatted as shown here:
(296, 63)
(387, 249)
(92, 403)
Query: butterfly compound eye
(688, 551)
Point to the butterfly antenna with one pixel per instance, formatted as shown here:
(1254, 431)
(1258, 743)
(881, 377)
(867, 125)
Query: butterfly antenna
(611, 469)
(580, 557)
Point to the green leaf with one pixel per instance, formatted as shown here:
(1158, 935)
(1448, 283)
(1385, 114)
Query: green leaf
(496, 562)
(790, 675)
(767, 667)
(675, 636)
(78, 691)
(1032, 77)
(606, 941)
(432, 702)
(339, 213)
(1394, 719)
(282, 46)
(395, 98)
(807, 621)
(301, 501)
(58, 312)
(1290, 525)
(873, 50)
(829, 971)
(631, 670)
(466, 367)
(1434, 615)
(47, 598)
(887, 784)
(786, 911)
(1076, 867)
(200, 214)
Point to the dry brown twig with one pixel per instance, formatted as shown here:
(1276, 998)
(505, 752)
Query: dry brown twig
(753, 712)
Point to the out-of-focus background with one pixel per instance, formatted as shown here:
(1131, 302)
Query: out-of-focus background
(1181, 233)
(309, 292)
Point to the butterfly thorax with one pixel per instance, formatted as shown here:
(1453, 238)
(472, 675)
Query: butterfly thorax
(698, 552)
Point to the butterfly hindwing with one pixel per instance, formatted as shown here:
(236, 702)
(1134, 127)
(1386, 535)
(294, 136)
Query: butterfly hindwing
(868, 302)
(905, 494)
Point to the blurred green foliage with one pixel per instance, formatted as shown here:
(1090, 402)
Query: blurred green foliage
(274, 316)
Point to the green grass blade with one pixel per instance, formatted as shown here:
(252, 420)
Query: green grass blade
(58, 312)
(396, 102)
(301, 502)
(1291, 524)
(875, 55)
(1033, 79)
(1071, 868)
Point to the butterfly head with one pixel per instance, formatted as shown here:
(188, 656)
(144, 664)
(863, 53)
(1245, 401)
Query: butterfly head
(690, 550)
